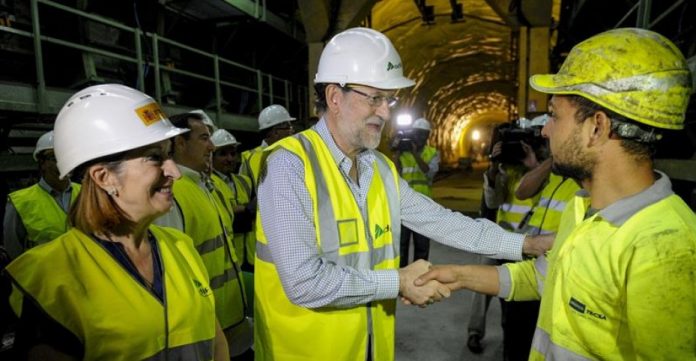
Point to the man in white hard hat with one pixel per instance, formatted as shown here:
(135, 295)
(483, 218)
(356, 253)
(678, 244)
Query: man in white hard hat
(619, 281)
(275, 123)
(331, 207)
(417, 166)
(225, 162)
(38, 214)
(202, 213)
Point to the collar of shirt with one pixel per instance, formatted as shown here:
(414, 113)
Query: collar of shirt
(223, 176)
(620, 211)
(50, 190)
(365, 157)
(194, 175)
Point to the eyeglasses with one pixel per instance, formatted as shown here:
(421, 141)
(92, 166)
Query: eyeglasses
(376, 100)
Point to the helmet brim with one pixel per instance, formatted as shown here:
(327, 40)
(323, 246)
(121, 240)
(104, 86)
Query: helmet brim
(391, 84)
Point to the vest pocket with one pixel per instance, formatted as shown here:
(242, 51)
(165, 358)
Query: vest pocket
(593, 316)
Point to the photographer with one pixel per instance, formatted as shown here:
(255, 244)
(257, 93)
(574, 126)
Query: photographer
(417, 163)
(514, 152)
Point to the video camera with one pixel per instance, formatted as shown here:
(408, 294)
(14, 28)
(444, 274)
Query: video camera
(512, 137)
(403, 140)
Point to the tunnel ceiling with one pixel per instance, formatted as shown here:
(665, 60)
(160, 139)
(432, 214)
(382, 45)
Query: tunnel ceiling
(464, 71)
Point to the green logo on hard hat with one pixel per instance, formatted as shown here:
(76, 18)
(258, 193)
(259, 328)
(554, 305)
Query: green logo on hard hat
(391, 66)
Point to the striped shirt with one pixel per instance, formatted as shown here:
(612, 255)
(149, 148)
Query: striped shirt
(310, 280)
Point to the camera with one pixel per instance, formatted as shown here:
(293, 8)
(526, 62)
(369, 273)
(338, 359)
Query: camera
(511, 139)
(403, 140)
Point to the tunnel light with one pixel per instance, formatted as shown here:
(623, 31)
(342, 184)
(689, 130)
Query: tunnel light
(404, 120)
(476, 135)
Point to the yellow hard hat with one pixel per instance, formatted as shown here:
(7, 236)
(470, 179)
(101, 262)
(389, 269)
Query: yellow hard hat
(634, 72)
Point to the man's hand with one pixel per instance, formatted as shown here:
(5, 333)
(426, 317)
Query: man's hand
(538, 245)
(448, 275)
(530, 160)
(478, 278)
(426, 292)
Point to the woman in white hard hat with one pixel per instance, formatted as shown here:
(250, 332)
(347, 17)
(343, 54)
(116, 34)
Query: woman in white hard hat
(115, 287)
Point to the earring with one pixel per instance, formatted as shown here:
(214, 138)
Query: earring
(112, 192)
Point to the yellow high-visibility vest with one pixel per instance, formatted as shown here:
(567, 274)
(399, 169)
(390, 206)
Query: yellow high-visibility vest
(413, 175)
(512, 213)
(80, 285)
(204, 218)
(252, 161)
(285, 331)
(42, 216)
(546, 215)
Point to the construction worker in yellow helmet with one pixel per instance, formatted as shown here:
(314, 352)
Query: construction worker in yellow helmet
(619, 281)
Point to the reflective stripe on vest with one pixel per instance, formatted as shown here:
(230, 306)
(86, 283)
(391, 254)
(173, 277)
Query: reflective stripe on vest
(79, 284)
(541, 265)
(513, 211)
(546, 216)
(544, 349)
(411, 172)
(43, 218)
(344, 237)
(204, 218)
(185, 352)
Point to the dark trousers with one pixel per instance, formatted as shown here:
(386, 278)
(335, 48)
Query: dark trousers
(519, 322)
(421, 246)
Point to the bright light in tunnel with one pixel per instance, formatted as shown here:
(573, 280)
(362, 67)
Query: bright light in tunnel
(404, 120)
(475, 135)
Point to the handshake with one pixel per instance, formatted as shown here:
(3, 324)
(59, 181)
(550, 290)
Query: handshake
(417, 285)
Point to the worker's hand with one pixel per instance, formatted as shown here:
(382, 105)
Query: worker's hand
(496, 150)
(538, 245)
(530, 160)
(414, 148)
(447, 275)
(425, 293)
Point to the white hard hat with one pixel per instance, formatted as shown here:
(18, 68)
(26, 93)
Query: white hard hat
(273, 115)
(222, 137)
(361, 56)
(45, 142)
(206, 119)
(539, 121)
(421, 123)
(107, 119)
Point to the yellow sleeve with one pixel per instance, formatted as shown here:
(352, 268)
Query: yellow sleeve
(524, 282)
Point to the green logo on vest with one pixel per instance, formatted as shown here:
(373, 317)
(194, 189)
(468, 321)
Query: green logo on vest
(203, 290)
(379, 231)
(391, 66)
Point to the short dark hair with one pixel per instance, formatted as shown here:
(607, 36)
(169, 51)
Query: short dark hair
(320, 92)
(320, 100)
(182, 121)
(641, 151)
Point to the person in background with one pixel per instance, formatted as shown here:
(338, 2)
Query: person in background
(417, 166)
(225, 162)
(115, 287)
(39, 213)
(330, 211)
(203, 215)
(619, 282)
(275, 123)
(499, 184)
